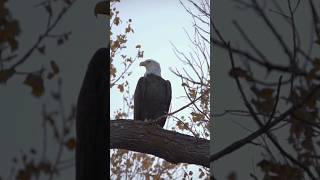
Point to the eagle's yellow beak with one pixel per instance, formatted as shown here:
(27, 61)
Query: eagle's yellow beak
(142, 63)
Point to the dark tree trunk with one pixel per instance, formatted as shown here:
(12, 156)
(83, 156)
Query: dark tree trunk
(91, 120)
(171, 146)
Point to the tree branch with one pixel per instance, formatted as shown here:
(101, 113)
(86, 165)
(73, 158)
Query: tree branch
(172, 146)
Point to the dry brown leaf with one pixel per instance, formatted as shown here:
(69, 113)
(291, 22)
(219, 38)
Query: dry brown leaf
(71, 144)
(102, 7)
(36, 83)
(6, 74)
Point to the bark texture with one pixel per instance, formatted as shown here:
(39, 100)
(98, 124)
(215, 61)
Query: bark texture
(151, 139)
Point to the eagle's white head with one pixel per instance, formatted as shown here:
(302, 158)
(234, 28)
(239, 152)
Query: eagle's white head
(152, 67)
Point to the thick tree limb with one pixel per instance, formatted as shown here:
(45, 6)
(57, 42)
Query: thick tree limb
(145, 138)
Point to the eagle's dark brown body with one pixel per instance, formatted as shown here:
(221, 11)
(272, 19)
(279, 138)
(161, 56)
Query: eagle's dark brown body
(152, 98)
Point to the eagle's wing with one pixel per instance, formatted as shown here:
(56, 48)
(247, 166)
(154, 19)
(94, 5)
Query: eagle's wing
(91, 120)
(139, 99)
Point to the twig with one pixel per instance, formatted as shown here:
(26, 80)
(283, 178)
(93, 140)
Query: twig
(174, 112)
(43, 36)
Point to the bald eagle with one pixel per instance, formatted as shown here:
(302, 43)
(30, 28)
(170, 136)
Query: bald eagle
(152, 96)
